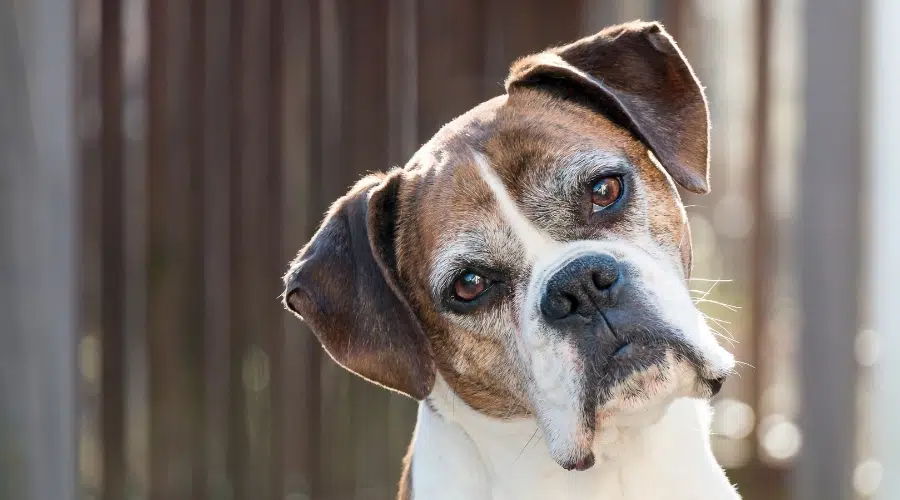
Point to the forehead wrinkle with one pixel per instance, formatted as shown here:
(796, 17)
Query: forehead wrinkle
(534, 241)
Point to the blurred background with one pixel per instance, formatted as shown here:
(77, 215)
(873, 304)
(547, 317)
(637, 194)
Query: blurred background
(162, 160)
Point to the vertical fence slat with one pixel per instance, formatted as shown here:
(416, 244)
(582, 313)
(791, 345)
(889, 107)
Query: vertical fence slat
(197, 335)
(275, 341)
(112, 333)
(238, 443)
(883, 205)
(829, 248)
(253, 249)
(217, 281)
(90, 258)
(175, 316)
(134, 193)
(38, 278)
(762, 232)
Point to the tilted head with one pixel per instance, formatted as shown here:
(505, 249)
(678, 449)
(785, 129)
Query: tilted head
(534, 254)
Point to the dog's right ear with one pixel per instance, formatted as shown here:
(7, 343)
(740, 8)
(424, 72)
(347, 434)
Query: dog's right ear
(343, 284)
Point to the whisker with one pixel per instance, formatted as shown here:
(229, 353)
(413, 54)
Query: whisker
(719, 323)
(526, 444)
(716, 302)
(728, 339)
(711, 287)
(731, 340)
(725, 332)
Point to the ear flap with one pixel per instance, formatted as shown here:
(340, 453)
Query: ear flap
(636, 75)
(343, 285)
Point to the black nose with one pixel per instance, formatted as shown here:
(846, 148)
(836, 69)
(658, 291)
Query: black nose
(584, 286)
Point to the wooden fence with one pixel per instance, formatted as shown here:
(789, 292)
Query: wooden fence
(210, 137)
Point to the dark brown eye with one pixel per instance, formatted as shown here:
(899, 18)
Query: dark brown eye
(469, 286)
(605, 192)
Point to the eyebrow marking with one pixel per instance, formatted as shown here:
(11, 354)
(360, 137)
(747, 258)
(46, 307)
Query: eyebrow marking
(448, 260)
(535, 242)
(581, 166)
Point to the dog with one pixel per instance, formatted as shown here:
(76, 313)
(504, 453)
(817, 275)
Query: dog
(524, 277)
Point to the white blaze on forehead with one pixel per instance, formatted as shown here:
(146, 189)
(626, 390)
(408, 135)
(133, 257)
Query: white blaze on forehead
(535, 242)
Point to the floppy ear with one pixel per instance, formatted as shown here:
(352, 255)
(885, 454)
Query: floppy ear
(636, 75)
(343, 284)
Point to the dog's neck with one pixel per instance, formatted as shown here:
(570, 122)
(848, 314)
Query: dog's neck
(459, 453)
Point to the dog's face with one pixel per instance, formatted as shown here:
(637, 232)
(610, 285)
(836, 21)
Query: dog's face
(535, 253)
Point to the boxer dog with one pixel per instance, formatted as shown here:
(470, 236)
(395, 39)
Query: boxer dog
(524, 277)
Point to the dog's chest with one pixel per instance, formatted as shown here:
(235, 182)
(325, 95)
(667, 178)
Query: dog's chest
(592, 485)
(532, 476)
(491, 461)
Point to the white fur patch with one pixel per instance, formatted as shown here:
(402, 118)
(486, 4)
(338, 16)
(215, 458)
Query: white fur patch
(460, 453)
(534, 241)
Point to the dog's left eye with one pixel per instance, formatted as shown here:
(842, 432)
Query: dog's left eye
(469, 286)
(605, 192)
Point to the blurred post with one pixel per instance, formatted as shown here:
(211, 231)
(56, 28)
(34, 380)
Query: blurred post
(829, 248)
(883, 79)
(37, 252)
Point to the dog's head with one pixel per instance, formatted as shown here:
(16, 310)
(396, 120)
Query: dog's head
(534, 254)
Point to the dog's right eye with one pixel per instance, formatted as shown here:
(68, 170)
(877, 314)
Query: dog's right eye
(469, 286)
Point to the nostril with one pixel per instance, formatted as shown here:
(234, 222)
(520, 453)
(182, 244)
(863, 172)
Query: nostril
(569, 304)
(605, 277)
(559, 305)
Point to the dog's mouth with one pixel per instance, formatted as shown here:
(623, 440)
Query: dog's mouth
(618, 350)
(636, 365)
(636, 376)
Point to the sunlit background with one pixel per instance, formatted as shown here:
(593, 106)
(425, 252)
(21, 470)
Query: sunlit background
(162, 160)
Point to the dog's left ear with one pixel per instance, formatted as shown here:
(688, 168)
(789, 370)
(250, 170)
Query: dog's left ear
(634, 74)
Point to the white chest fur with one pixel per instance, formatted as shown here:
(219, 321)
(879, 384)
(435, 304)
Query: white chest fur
(461, 454)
